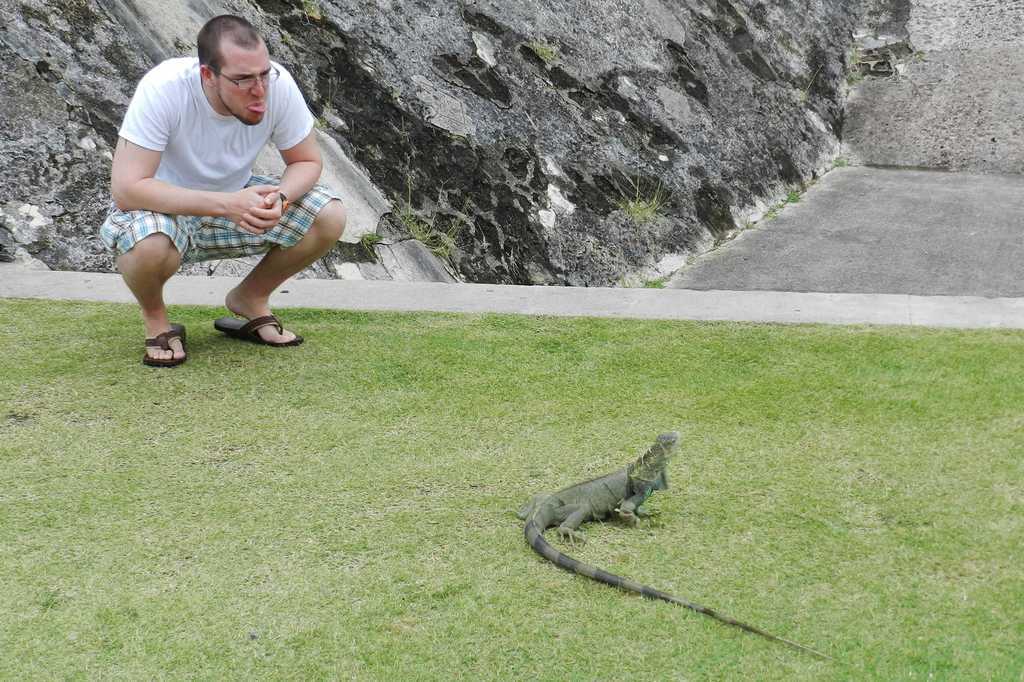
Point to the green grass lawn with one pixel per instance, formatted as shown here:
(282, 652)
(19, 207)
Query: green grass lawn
(345, 509)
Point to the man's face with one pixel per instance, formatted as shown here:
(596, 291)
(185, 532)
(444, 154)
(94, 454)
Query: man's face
(247, 104)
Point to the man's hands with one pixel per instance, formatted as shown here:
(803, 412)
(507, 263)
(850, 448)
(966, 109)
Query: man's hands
(255, 209)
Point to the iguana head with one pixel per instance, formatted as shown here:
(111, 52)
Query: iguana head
(649, 470)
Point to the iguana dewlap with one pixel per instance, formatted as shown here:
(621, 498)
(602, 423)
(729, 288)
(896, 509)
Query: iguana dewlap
(620, 493)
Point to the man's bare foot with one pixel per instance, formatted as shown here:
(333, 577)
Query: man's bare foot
(250, 310)
(175, 353)
(173, 337)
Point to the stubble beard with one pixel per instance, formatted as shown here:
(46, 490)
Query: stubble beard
(241, 117)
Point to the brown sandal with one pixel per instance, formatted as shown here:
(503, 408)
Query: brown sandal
(248, 330)
(163, 341)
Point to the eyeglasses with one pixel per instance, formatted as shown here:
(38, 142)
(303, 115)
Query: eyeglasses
(249, 82)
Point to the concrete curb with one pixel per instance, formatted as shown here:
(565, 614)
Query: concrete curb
(965, 312)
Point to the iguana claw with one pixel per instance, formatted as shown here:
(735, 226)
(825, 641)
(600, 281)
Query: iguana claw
(571, 536)
(628, 518)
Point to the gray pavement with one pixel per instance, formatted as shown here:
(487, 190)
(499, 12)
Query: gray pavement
(671, 304)
(880, 231)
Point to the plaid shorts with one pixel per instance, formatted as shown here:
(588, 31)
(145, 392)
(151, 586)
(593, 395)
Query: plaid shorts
(200, 238)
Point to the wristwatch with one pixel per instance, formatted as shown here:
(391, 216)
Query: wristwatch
(284, 201)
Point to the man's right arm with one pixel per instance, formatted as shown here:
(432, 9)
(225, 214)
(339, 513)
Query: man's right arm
(134, 188)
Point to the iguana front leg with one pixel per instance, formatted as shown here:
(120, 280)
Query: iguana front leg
(630, 508)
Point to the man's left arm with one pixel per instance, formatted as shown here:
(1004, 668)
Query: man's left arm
(303, 165)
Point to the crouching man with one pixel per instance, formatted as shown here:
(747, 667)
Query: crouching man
(184, 191)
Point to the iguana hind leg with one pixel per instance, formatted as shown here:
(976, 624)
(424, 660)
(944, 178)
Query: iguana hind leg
(574, 516)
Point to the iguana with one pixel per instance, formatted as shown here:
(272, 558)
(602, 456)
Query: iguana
(621, 493)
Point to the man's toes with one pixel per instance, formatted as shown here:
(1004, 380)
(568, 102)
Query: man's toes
(159, 353)
(270, 333)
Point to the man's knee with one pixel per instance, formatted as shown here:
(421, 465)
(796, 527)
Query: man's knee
(153, 251)
(330, 221)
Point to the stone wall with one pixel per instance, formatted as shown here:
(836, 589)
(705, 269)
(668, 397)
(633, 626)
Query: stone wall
(516, 133)
(953, 100)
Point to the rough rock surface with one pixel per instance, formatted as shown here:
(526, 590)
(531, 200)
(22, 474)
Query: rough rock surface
(520, 130)
(68, 76)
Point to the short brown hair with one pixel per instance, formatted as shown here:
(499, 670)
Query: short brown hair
(216, 30)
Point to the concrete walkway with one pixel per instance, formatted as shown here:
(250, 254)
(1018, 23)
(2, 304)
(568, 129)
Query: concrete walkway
(664, 304)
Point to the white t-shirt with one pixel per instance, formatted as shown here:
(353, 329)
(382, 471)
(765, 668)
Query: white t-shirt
(200, 148)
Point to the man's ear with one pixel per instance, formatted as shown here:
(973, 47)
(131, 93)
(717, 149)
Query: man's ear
(206, 73)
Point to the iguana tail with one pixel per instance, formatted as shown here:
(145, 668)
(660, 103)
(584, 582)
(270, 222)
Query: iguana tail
(535, 536)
